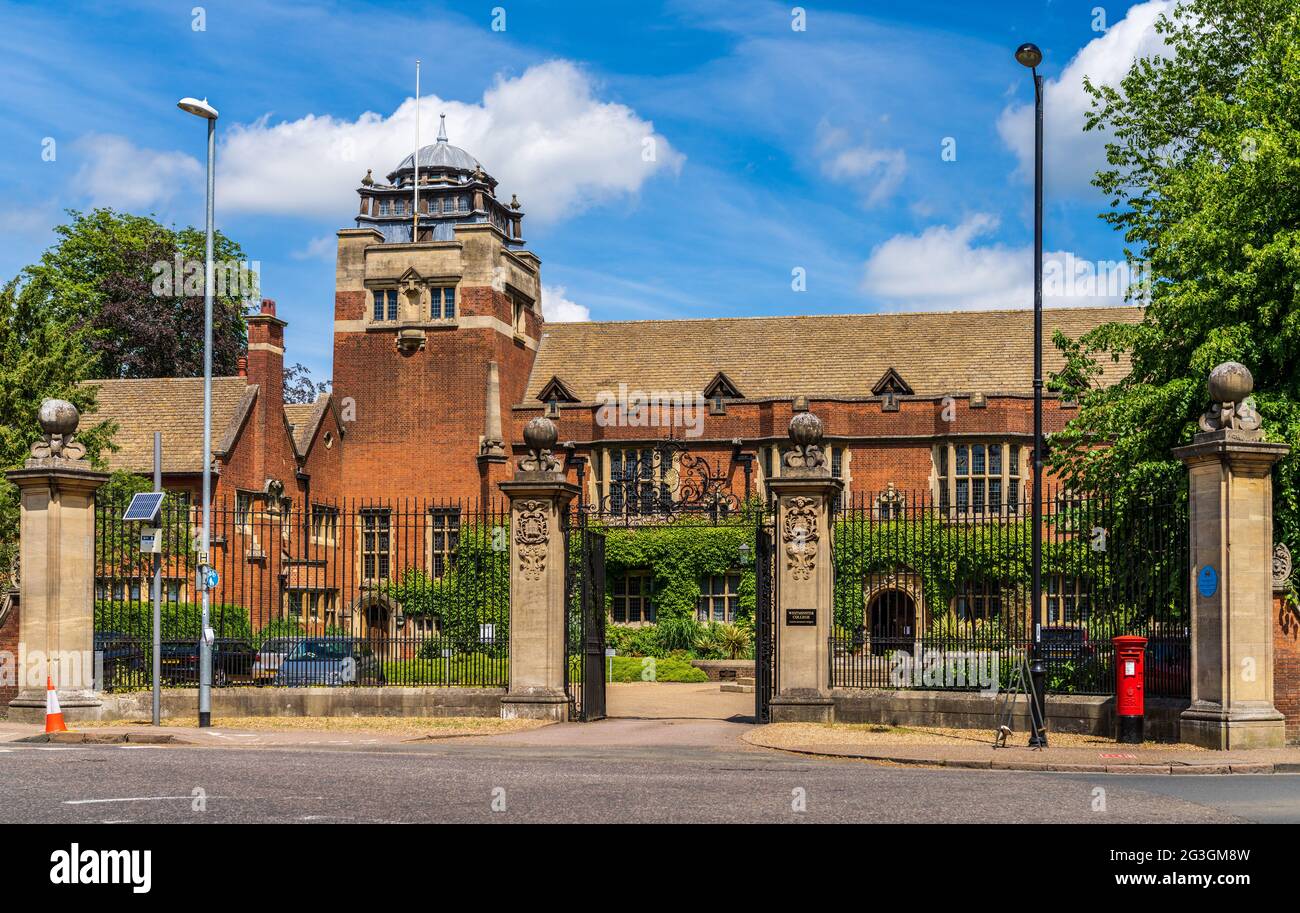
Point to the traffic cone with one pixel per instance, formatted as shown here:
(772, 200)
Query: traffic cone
(53, 715)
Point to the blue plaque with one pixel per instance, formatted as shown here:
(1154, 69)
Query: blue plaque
(1207, 582)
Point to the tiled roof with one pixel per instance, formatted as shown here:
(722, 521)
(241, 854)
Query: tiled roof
(833, 355)
(174, 406)
(304, 419)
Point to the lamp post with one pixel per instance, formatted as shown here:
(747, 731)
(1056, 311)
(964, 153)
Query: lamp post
(1030, 56)
(201, 108)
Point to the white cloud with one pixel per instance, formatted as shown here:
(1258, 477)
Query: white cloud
(556, 308)
(544, 135)
(946, 269)
(876, 173)
(118, 173)
(1072, 157)
(322, 248)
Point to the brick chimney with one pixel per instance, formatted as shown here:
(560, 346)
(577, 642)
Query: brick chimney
(266, 369)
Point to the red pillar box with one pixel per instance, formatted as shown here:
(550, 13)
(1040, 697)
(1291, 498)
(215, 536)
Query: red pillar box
(1130, 702)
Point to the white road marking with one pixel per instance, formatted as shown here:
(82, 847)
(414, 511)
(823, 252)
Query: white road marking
(134, 799)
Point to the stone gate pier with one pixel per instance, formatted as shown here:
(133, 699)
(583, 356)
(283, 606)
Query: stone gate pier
(56, 633)
(1231, 515)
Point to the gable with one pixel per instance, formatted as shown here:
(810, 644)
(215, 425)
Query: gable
(557, 390)
(721, 385)
(891, 383)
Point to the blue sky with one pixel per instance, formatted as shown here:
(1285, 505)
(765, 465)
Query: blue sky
(775, 149)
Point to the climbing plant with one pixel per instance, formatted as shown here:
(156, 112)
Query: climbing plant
(680, 553)
(1134, 562)
(474, 590)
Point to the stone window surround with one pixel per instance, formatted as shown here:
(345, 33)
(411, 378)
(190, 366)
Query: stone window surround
(603, 467)
(730, 596)
(412, 316)
(644, 596)
(950, 481)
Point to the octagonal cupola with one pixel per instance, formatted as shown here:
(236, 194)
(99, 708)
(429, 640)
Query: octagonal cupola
(453, 188)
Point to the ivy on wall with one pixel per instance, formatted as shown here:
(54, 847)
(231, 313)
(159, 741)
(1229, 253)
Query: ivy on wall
(678, 555)
(1133, 564)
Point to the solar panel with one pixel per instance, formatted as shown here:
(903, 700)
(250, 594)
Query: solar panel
(144, 506)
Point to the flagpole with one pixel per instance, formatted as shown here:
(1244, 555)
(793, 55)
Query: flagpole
(415, 206)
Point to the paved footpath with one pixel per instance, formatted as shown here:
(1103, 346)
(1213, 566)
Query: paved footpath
(980, 755)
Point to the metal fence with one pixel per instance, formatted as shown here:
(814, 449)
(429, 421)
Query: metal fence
(402, 592)
(938, 595)
(584, 586)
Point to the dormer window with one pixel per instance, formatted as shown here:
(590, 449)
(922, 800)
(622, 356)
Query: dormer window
(718, 391)
(554, 393)
(889, 388)
(383, 207)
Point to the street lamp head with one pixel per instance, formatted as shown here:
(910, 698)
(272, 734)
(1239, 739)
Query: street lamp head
(198, 107)
(1029, 55)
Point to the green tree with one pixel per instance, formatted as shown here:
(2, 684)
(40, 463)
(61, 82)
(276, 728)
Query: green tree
(41, 356)
(1203, 179)
(136, 286)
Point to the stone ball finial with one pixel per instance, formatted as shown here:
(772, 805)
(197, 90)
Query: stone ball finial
(806, 428)
(58, 416)
(806, 431)
(58, 419)
(540, 435)
(1231, 382)
(1231, 408)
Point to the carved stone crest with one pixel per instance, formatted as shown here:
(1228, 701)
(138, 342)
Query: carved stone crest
(1281, 566)
(1231, 405)
(799, 534)
(532, 534)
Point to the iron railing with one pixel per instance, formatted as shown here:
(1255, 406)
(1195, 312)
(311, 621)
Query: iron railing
(405, 592)
(928, 595)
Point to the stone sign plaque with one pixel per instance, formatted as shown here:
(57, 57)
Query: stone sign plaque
(801, 618)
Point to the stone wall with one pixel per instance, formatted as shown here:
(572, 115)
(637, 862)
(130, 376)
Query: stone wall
(291, 702)
(725, 670)
(1084, 714)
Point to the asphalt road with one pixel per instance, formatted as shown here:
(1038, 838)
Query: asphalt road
(701, 777)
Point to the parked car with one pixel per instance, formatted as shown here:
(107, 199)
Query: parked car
(330, 661)
(232, 661)
(269, 657)
(1066, 645)
(1168, 662)
(123, 657)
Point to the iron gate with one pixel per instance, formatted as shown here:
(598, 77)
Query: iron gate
(764, 621)
(585, 597)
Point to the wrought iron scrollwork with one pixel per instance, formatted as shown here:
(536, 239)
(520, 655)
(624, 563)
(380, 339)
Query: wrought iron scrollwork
(664, 480)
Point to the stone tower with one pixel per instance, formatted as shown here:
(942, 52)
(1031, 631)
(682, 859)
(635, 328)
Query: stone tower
(425, 306)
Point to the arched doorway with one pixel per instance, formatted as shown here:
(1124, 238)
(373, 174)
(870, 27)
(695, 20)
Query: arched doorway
(892, 619)
(376, 621)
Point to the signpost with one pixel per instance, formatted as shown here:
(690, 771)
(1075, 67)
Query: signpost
(146, 508)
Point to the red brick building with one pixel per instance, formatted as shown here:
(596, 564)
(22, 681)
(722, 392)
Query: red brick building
(442, 355)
